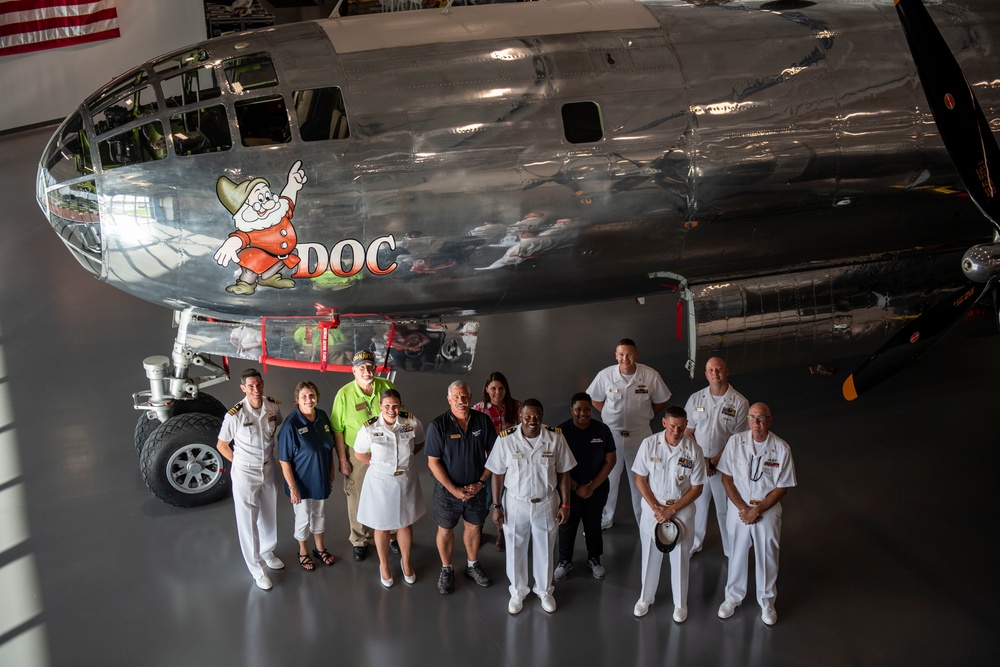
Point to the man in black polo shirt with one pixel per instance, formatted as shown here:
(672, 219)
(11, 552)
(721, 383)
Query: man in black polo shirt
(593, 446)
(458, 443)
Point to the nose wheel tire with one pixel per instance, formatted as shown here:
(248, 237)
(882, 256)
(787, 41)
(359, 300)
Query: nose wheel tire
(180, 464)
(148, 422)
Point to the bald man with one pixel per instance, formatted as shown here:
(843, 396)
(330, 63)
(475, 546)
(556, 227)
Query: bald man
(757, 471)
(714, 414)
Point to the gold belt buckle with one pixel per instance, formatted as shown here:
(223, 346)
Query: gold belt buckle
(669, 503)
(536, 500)
(755, 502)
(398, 473)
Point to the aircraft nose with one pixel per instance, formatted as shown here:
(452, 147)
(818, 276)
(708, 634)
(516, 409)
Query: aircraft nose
(66, 191)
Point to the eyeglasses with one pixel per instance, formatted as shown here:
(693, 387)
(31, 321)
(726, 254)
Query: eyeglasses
(758, 418)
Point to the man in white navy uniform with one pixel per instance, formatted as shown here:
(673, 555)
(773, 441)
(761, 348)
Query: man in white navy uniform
(628, 395)
(714, 414)
(532, 462)
(670, 473)
(757, 471)
(253, 425)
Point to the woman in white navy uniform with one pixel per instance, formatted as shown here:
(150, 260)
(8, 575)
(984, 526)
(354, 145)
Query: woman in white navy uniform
(391, 498)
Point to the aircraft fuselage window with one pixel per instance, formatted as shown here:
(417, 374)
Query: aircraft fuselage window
(263, 121)
(191, 87)
(131, 104)
(250, 72)
(321, 114)
(143, 143)
(582, 122)
(204, 130)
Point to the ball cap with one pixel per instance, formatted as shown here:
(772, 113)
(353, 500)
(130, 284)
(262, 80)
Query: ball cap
(363, 357)
(667, 535)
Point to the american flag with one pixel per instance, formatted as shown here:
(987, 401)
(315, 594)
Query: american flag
(33, 25)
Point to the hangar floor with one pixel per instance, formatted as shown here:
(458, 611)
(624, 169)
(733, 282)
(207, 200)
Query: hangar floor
(887, 550)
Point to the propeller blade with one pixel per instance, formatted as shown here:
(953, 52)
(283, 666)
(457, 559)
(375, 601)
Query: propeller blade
(959, 118)
(914, 339)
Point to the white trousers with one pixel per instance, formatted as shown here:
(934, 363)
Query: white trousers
(536, 523)
(713, 490)
(626, 449)
(310, 518)
(764, 536)
(652, 558)
(255, 498)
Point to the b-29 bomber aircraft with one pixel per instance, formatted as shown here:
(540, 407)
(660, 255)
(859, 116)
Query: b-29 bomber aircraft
(298, 193)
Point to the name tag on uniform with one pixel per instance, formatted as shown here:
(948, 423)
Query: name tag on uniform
(455, 436)
(655, 459)
(612, 391)
(517, 455)
(361, 406)
(546, 455)
(699, 409)
(303, 430)
(597, 441)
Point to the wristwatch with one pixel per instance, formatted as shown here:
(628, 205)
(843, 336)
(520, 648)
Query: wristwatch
(496, 506)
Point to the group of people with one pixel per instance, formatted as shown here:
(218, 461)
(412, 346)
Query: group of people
(497, 459)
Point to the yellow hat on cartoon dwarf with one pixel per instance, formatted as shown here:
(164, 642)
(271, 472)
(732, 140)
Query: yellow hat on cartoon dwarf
(233, 195)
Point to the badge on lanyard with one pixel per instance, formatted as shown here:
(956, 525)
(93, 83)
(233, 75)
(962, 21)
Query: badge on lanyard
(361, 406)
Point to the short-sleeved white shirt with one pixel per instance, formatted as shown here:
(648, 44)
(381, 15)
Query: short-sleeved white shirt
(252, 432)
(529, 465)
(670, 470)
(715, 419)
(391, 447)
(628, 403)
(757, 468)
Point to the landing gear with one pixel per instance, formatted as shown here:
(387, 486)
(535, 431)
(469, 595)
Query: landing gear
(180, 463)
(176, 434)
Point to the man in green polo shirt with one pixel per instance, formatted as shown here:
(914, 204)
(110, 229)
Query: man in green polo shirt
(356, 403)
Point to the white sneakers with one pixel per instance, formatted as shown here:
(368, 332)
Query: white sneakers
(515, 605)
(727, 609)
(640, 609)
(274, 562)
(768, 615)
(680, 614)
(548, 603)
(263, 582)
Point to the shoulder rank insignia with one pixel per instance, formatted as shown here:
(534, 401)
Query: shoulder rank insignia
(273, 400)
(236, 408)
(507, 431)
(371, 421)
(404, 414)
(554, 429)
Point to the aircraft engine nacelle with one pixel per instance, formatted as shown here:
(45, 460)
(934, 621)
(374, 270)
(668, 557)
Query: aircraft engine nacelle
(982, 262)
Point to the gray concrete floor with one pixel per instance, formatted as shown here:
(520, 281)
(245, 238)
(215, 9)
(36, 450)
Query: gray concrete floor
(887, 545)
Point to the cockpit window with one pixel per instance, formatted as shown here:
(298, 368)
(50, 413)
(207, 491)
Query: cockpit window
(143, 143)
(186, 59)
(582, 122)
(263, 121)
(204, 130)
(125, 106)
(190, 87)
(321, 114)
(250, 72)
(68, 156)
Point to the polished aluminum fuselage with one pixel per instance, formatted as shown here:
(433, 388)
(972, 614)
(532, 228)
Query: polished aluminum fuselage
(738, 140)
